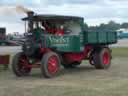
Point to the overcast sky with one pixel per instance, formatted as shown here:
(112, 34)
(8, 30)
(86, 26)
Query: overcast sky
(93, 11)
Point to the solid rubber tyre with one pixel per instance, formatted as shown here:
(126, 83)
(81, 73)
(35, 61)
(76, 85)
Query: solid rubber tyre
(50, 64)
(102, 58)
(17, 67)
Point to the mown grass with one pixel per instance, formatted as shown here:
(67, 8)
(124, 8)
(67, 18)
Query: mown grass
(82, 81)
(120, 52)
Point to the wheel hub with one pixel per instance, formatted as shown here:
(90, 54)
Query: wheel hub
(106, 58)
(53, 64)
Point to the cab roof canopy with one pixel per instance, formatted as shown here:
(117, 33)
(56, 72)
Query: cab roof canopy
(52, 17)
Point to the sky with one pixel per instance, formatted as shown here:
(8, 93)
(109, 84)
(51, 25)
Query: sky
(94, 12)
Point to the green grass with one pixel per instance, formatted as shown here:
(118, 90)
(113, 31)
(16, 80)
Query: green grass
(3, 67)
(120, 52)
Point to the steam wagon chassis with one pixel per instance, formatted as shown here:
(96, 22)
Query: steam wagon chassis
(54, 40)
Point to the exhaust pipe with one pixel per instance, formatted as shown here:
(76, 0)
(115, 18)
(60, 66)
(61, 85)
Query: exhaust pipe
(30, 14)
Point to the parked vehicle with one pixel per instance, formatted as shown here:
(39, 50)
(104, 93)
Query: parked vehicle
(122, 33)
(55, 40)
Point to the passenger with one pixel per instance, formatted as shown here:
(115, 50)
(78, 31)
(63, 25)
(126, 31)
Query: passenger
(60, 31)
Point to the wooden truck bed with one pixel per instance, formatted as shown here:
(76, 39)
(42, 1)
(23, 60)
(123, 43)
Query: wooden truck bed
(100, 37)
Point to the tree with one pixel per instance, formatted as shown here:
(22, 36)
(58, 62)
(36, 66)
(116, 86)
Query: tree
(124, 25)
(113, 26)
(85, 26)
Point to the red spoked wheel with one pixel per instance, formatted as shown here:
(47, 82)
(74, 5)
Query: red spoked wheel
(102, 58)
(19, 65)
(106, 58)
(53, 64)
(50, 64)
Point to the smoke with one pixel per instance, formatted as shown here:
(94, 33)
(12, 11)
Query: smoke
(7, 10)
(10, 17)
(13, 10)
(20, 8)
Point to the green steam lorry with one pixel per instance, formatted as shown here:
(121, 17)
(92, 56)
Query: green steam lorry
(55, 40)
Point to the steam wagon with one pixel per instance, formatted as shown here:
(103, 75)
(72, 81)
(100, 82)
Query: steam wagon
(53, 41)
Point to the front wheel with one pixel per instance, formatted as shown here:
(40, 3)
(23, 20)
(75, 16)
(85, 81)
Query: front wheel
(19, 63)
(102, 58)
(50, 64)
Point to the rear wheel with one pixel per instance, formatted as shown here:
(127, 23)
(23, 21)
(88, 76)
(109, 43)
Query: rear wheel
(18, 65)
(102, 58)
(50, 66)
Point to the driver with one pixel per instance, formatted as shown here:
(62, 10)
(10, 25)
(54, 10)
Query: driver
(49, 27)
(42, 26)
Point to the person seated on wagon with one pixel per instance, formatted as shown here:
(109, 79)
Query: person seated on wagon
(60, 30)
(49, 27)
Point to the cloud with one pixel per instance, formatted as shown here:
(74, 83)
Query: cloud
(24, 2)
(93, 11)
(61, 2)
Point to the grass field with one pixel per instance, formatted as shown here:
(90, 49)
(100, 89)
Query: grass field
(120, 52)
(82, 81)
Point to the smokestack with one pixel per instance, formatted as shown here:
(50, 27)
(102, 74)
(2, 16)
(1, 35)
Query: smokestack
(30, 14)
(30, 22)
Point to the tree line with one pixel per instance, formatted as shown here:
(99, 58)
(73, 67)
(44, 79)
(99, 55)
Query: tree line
(110, 26)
